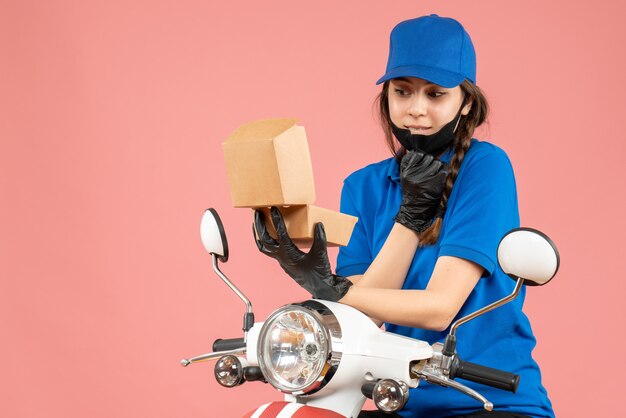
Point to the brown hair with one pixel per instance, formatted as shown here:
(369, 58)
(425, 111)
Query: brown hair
(462, 139)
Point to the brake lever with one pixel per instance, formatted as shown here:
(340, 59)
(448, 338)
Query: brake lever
(211, 356)
(437, 379)
(437, 370)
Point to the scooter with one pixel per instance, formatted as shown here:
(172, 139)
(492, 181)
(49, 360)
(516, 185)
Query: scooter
(327, 358)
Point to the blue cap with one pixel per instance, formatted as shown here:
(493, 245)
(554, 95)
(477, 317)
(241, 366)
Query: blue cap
(437, 49)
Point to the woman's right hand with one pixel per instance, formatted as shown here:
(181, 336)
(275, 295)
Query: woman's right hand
(423, 180)
(310, 270)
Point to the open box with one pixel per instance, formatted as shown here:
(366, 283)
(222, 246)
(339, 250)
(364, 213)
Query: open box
(300, 222)
(268, 164)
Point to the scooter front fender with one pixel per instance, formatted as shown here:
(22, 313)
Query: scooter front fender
(284, 409)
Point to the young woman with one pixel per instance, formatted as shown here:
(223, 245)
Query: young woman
(430, 218)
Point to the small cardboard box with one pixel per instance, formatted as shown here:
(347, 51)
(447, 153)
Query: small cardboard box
(268, 164)
(300, 222)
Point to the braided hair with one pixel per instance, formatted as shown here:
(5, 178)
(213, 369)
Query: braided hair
(462, 140)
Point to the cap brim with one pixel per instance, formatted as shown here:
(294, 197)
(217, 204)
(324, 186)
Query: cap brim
(437, 76)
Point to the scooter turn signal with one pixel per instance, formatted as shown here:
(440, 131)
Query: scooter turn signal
(229, 371)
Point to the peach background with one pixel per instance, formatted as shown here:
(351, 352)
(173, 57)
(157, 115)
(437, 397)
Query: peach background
(111, 118)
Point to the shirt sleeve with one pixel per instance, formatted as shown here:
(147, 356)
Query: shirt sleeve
(355, 258)
(485, 209)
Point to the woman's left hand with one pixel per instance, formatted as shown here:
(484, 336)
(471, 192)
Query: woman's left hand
(423, 180)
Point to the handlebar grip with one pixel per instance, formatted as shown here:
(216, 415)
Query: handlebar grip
(228, 344)
(485, 375)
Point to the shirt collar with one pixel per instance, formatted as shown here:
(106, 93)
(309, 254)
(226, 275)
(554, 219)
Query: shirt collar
(393, 172)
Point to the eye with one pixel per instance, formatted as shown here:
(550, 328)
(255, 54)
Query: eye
(436, 94)
(400, 92)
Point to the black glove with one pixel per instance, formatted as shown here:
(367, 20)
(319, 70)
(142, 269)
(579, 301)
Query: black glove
(423, 180)
(310, 270)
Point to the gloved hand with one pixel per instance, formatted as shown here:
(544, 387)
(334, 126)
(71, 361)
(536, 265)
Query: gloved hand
(310, 270)
(423, 180)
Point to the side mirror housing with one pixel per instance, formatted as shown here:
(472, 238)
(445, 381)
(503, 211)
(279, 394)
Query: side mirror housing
(213, 235)
(528, 254)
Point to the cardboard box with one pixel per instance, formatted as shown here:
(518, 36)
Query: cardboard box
(269, 164)
(300, 222)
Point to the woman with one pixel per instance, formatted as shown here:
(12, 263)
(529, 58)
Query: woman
(430, 218)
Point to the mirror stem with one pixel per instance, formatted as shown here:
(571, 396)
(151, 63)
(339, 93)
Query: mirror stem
(248, 316)
(494, 305)
(449, 346)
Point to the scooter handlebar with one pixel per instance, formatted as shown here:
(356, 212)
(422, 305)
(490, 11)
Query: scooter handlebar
(484, 375)
(228, 344)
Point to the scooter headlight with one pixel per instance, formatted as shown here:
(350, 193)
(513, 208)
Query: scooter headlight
(295, 349)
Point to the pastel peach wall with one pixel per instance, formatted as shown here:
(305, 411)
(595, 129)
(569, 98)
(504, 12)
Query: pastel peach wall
(112, 115)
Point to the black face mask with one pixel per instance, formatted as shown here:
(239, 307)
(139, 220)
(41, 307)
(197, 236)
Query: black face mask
(433, 144)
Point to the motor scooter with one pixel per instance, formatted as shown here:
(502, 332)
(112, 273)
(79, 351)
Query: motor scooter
(327, 358)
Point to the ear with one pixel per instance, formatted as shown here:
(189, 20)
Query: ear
(466, 109)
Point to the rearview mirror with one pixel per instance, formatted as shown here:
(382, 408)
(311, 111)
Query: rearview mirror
(529, 254)
(213, 235)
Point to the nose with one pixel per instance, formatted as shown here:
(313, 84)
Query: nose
(418, 106)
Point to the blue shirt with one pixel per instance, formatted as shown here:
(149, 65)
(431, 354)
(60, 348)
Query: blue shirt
(482, 207)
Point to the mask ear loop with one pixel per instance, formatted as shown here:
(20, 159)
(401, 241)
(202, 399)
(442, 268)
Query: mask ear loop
(441, 211)
(458, 115)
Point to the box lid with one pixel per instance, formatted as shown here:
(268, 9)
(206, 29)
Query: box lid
(261, 129)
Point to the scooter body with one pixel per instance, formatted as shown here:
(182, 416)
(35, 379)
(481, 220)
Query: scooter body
(327, 358)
